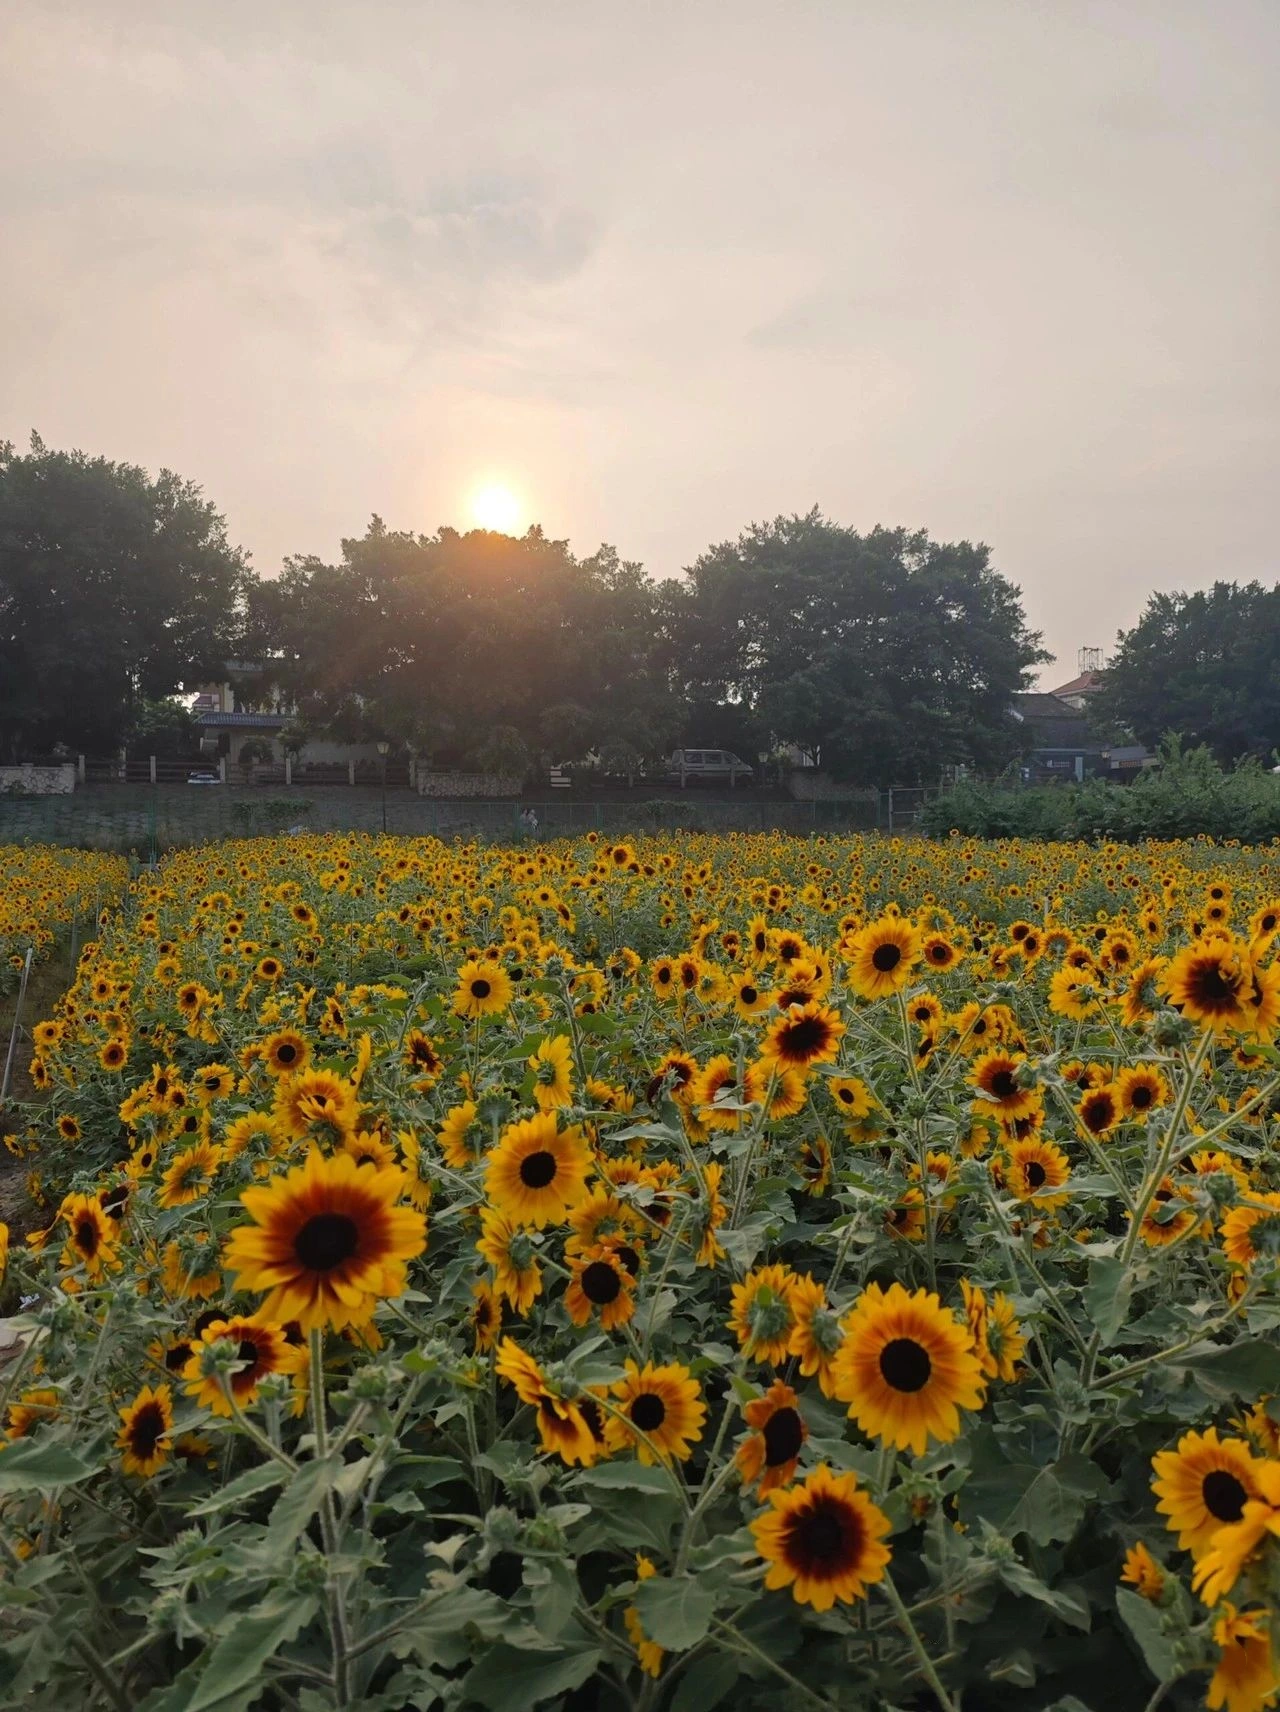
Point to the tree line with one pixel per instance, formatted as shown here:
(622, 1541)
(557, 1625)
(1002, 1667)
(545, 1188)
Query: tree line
(883, 656)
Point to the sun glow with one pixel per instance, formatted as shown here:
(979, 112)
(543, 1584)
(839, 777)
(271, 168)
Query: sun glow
(495, 507)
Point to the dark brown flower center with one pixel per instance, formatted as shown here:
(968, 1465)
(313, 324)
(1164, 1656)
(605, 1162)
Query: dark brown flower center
(1036, 1174)
(886, 958)
(648, 1411)
(600, 1283)
(286, 1052)
(146, 1430)
(480, 989)
(325, 1241)
(1003, 1085)
(823, 1538)
(1224, 1496)
(87, 1237)
(783, 1436)
(905, 1365)
(538, 1169)
(802, 1039)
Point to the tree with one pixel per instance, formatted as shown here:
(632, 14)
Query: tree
(115, 588)
(440, 640)
(164, 728)
(1204, 665)
(884, 656)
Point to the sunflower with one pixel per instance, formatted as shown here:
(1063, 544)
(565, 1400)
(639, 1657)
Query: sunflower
(999, 1078)
(1167, 1217)
(853, 1099)
(114, 1053)
(1210, 981)
(1100, 1110)
(144, 1435)
(484, 989)
(816, 1334)
(659, 1412)
(260, 1347)
(190, 1175)
(245, 1131)
(537, 1173)
(315, 1102)
(486, 1316)
(91, 1243)
(1240, 1228)
(781, 1092)
(1139, 1090)
(750, 997)
(1142, 995)
(509, 1250)
(1203, 1485)
(763, 1318)
(823, 1539)
(649, 1654)
(213, 1082)
(562, 1426)
(1143, 1573)
(33, 1409)
(718, 1096)
(770, 1453)
(1246, 1678)
(462, 1136)
(552, 1066)
(881, 957)
(1034, 1170)
(600, 1284)
(906, 1368)
(420, 1055)
(328, 1241)
(938, 953)
(804, 1035)
(191, 1270)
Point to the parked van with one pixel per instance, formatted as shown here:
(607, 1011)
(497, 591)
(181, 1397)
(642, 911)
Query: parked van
(689, 764)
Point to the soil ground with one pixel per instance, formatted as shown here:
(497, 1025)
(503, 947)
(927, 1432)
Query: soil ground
(46, 986)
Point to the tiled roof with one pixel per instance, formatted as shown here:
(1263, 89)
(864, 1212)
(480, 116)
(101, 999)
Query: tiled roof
(1085, 684)
(1052, 724)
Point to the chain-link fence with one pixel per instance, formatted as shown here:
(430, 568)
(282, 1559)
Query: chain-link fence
(147, 819)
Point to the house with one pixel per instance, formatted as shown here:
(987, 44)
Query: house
(227, 717)
(1081, 690)
(1061, 743)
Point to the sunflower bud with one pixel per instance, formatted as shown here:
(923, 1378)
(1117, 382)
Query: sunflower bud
(1169, 1030)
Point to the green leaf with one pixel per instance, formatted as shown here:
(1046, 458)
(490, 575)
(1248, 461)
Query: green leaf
(675, 1612)
(34, 1463)
(1142, 1620)
(245, 1485)
(1069, 1606)
(596, 1023)
(299, 1501)
(228, 1678)
(635, 1476)
(705, 1684)
(508, 1679)
(1046, 1503)
(1107, 1296)
(1241, 1369)
(553, 1589)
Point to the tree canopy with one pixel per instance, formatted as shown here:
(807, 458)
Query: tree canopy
(1204, 665)
(115, 588)
(885, 655)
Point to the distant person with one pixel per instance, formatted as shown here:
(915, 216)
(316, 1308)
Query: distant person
(529, 820)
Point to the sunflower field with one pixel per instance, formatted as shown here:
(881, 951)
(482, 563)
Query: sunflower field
(42, 890)
(651, 1277)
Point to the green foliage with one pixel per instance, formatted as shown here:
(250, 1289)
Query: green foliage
(1188, 796)
(1205, 665)
(886, 656)
(115, 588)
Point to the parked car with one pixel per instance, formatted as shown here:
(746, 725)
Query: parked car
(203, 779)
(689, 764)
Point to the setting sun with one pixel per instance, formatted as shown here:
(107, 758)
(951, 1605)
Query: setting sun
(495, 507)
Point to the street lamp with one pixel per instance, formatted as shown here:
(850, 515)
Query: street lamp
(384, 749)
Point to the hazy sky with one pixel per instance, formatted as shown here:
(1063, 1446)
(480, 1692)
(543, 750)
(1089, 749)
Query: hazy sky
(1006, 271)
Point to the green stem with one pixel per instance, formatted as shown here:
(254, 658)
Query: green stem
(917, 1646)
